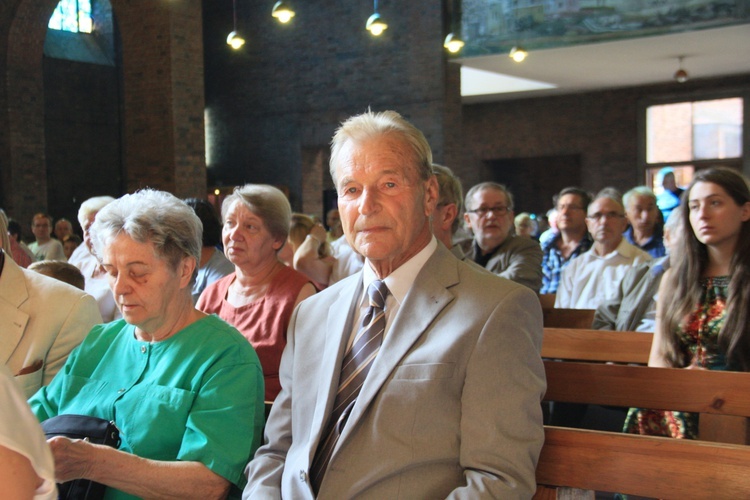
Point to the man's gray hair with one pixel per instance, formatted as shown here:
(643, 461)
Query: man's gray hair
(151, 216)
(92, 206)
(450, 191)
(369, 125)
(638, 191)
(267, 202)
(611, 193)
(489, 185)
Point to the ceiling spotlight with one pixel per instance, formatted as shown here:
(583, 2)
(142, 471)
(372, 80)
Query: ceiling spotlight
(681, 76)
(234, 39)
(282, 12)
(375, 23)
(518, 53)
(453, 43)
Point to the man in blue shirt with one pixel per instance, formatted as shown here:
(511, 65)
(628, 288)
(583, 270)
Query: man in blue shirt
(645, 229)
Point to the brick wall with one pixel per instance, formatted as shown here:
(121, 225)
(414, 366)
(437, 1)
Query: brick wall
(160, 94)
(272, 107)
(277, 101)
(599, 128)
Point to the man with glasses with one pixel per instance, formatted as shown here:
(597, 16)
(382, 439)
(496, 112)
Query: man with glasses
(489, 215)
(571, 240)
(595, 275)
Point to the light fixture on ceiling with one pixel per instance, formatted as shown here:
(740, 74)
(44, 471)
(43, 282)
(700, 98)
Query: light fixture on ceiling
(282, 12)
(375, 23)
(234, 39)
(453, 43)
(681, 76)
(518, 53)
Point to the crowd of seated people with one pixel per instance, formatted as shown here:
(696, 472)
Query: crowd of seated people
(175, 319)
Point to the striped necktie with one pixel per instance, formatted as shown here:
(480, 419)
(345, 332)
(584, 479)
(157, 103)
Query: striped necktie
(354, 369)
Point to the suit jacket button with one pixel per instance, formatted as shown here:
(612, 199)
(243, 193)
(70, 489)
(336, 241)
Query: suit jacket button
(302, 476)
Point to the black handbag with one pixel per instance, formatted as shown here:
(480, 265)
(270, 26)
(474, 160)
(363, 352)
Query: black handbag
(96, 430)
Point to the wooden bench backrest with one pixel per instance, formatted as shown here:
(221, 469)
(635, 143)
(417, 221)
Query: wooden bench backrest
(547, 300)
(596, 345)
(702, 391)
(641, 465)
(568, 318)
(722, 398)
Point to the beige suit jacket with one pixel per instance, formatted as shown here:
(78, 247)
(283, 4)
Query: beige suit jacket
(41, 321)
(450, 408)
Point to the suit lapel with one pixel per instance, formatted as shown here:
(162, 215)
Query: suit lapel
(427, 297)
(13, 293)
(337, 329)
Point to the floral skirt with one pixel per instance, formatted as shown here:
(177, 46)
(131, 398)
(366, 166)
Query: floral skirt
(674, 424)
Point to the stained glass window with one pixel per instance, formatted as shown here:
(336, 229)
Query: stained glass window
(72, 15)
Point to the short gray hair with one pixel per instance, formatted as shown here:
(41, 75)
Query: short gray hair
(92, 206)
(611, 193)
(489, 185)
(267, 202)
(450, 191)
(151, 216)
(369, 125)
(638, 191)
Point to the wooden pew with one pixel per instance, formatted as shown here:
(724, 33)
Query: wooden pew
(596, 345)
(717, 395)
(574, 463)
(568, 318)
(639, 465)
(547, 300)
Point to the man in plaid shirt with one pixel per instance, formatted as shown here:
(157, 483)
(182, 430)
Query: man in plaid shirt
(572, 240)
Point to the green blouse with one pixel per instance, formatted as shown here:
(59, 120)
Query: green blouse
(196, 396)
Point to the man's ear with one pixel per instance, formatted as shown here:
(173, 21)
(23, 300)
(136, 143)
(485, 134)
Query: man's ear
(467, 221)
(590, 223)
(449, 215)
(431, 191)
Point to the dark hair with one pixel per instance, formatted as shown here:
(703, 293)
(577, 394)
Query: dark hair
(210, 219)
(734, 337)
(74, 238)
(584, 196)
(14, 228)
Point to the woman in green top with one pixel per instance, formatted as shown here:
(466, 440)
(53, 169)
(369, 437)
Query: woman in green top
(185, 389)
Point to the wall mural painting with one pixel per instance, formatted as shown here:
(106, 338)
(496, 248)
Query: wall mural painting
(494, 26)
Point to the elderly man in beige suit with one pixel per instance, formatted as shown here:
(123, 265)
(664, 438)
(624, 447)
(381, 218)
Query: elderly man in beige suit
(448, 405)
(41, 321)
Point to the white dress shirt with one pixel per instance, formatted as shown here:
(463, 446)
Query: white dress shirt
(590, 279)
(398, 282)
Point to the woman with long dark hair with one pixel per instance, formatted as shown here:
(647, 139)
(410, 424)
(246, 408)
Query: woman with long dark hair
(703, 312)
